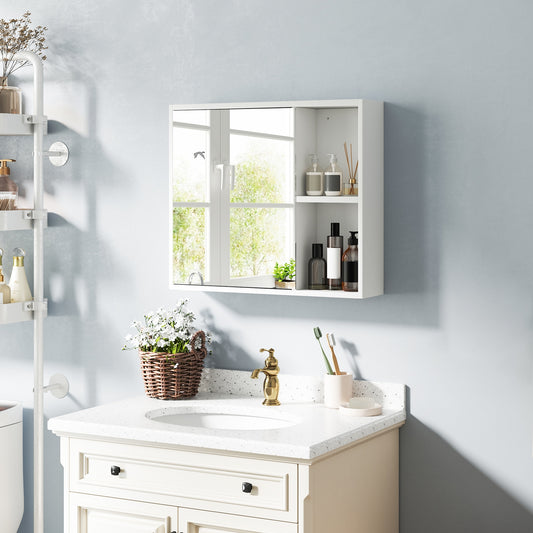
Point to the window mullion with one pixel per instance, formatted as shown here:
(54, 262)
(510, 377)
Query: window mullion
(214, 247)
(224, 189)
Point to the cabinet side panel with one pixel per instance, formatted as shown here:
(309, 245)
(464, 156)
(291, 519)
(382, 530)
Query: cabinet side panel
(304, 144)
(64, 454)
(371, 191)
(356, 490)
(305, 504)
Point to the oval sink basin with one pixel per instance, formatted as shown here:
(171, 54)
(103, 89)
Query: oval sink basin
(213, 419)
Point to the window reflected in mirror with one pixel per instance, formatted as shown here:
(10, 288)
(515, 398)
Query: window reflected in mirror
(233, 195)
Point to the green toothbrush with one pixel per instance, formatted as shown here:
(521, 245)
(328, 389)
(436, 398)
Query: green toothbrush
(318, 334)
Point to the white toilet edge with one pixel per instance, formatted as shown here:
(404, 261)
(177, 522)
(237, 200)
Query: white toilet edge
(10, 413)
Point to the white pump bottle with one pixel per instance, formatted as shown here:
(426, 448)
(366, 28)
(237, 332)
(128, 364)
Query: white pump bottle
(18, 283)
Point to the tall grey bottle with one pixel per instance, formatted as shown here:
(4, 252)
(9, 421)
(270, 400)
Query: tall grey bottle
(333, 257)
(316, 269)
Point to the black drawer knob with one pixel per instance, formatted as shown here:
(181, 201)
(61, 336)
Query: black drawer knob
(115, 470)
(247, 487)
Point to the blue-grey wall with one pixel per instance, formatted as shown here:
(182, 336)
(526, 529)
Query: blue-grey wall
(456, 322)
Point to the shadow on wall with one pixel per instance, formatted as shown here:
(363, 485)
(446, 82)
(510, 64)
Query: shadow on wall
(351, 353)
(235, 358)
(447, 493)
(411, 203)
(76, 252)
(74, 263)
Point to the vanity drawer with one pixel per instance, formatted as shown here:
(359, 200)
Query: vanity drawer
(261, 488)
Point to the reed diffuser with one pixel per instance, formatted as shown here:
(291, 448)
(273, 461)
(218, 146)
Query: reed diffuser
(352, 172)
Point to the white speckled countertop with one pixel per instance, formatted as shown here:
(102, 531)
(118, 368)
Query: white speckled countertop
(317, 430)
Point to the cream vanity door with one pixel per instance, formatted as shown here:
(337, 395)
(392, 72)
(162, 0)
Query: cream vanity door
(194, 521)
(93, 514)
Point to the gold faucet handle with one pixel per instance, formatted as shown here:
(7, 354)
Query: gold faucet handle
(270, 361)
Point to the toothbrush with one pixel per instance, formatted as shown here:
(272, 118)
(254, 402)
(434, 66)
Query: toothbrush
(318, 334)
(331, 342)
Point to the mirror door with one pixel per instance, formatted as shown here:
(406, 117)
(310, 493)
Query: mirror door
(233, 195)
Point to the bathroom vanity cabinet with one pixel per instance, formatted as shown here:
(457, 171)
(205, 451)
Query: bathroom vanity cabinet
(142, 465)
(142, 488)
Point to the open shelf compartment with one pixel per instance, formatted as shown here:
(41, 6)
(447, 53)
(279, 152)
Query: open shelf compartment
(323, 130)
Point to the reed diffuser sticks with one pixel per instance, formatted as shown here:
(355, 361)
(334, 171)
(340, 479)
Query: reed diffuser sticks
(351, 170)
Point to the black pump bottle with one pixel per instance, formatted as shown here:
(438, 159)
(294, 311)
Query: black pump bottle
(350, 263)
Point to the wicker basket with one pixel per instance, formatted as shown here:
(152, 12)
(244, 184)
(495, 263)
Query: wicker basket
(170, 376)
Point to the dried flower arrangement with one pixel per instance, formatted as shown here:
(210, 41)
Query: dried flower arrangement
(17, 35)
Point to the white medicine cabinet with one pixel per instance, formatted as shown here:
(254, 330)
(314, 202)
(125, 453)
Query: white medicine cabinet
(237, 193)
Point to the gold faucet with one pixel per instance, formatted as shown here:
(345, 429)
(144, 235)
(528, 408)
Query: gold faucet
(271, 384)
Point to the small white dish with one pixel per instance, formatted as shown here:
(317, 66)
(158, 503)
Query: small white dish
(361, 406)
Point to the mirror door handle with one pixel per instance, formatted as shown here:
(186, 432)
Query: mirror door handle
(227, 173)
(221, 169)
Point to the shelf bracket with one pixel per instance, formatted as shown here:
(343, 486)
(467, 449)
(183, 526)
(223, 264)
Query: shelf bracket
(36, 214)
(33, 305)
(34, 119)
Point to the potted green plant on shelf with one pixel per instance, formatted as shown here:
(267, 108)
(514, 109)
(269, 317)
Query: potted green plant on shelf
(171, 352)
(284, 275)
(17, 35)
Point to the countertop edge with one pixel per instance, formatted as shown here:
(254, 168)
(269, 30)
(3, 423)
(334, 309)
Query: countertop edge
(219, 444)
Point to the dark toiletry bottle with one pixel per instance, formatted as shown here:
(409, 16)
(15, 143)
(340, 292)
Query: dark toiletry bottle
(350, 260)
(316, 270)
(333, 257)
(333, 178)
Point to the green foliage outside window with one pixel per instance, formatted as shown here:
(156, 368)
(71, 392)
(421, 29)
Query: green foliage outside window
(188, 242)
(256, 240)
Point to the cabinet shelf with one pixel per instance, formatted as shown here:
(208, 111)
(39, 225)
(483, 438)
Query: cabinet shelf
(327, 199)
(17, 312)
(11, 124)
(279, 292)
(18, 219)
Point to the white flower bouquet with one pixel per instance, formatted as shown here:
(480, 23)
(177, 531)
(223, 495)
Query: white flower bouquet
(171, 352)
(165, 330)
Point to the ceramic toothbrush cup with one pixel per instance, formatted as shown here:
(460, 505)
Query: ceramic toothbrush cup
(337, 389)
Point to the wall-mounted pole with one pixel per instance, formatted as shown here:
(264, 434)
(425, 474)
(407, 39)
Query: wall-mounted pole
(38, 290)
